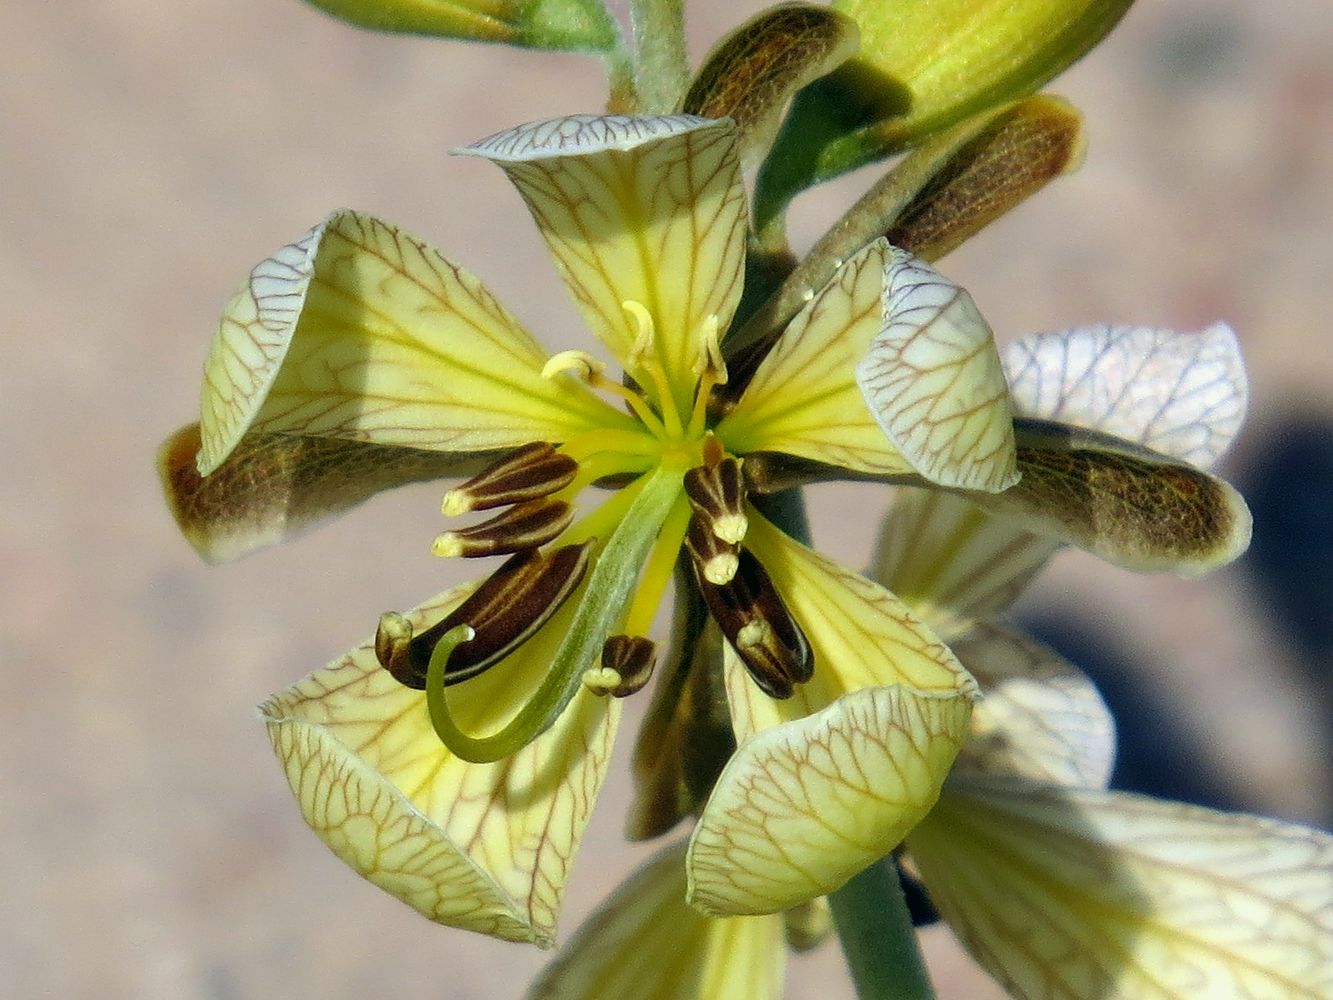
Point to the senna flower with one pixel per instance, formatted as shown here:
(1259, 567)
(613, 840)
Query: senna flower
(454, 759)
(1057, 886)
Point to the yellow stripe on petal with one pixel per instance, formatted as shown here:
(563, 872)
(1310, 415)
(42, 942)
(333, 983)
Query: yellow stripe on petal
(800, 808)
(643, 210)
(645, 942)
(1065, 895)
(360, 331)
(934, 382)
(803, 399)
(482, 847)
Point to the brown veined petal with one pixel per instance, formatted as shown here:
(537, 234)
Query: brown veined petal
(485, 847)
(641, 209)
(272, 487)
(1182, 394)
(751, 75)
(952, 562)
(645, 942)
(802, 807)
(1065, 894)
(1121, 502)
(360, 331)
(803, 399)
(933, 380)
(1040, 717)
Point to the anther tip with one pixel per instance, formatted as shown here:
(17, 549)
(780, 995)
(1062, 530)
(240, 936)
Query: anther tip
(601, 681)
(753, 633)
(731, 528)
(722, 568)
(447, 546)
(455, 502)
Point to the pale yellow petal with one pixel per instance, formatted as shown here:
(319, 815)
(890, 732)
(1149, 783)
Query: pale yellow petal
(1182, 394)
(486, 847)
(649, 210)
(802, 807)
(360, 331)
(645, 942)
(1039, 716)
(1130, 506)
(933, 380)
(1065, 894)
(272, 487)
(952, 562)
(803, 399)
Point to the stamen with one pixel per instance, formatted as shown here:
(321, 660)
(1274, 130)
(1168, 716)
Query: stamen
(759, 627)
(529, 473)
(524, 526)
(717, 493)
(589, 370)
(643, 359)
(711, 370)
(513, 603)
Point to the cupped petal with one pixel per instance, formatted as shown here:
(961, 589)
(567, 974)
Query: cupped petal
(933, 380)
(1124, 503)
(1040, 716)
(272, 487)
(643, 209)
(1064, 894)
(646, 942)
(803, 399)
(360, 331)
(485, 847)
(952, 562)
(1182, 394)
(802, 807)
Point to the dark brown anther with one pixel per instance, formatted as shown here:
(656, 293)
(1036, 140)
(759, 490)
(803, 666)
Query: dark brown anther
(528, 473)
(760, 628)
(714, 560)
(513, 603)
(524, 526)
(716, 494)
(633, 658)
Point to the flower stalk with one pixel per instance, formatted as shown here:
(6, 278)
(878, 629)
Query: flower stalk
(877, 937)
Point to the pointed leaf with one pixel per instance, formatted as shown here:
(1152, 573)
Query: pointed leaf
(1124, 503)
(932, 379)
(486, 847)
(646, 942)
(1065, 895)
(649, 210)
(803, 399)
(952, 562)
(1039, 716)
(801, 808)
(1182, 394)
(272, 487)
(362, 332)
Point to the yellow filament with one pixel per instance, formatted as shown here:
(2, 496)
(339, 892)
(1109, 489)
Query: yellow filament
(643, 360)
(657, 571)
(712, 371)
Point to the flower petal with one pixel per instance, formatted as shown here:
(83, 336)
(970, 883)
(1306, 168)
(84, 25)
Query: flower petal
(360, 331)
(1040, 717)
(800, 808)
(932, 378)
(649, 210)
(1182, 394)
(803, 399)
(272, 487)
(486, 847)
(646, 942)
(1074, 894)
(1124, 503)
(952, 562)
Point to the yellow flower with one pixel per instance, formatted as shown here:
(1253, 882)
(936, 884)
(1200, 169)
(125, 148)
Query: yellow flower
(359, 358)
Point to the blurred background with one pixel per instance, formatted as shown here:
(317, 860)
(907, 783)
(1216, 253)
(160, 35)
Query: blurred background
(151, 153)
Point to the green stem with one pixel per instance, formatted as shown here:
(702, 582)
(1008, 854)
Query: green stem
(659, 36)
(878, 938)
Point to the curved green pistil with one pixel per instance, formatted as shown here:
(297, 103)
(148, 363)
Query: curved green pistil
(603, 601)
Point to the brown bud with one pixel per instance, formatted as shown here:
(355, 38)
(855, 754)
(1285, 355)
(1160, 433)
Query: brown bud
(512, 604)
(633, 658)
(716, 494)
(759, 627)
(524, 526)
(528, 473)
(714, 560)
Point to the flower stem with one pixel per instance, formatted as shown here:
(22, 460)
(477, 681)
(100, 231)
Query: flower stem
(878, 938)
(659, 36)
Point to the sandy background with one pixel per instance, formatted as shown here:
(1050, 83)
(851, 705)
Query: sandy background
(150, 153)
